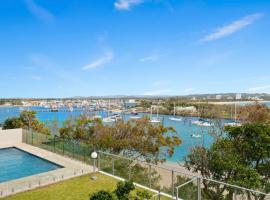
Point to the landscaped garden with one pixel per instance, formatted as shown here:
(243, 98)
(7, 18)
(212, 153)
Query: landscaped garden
(80, 188)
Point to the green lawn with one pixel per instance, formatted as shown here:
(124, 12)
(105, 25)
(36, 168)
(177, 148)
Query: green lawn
(78, 188)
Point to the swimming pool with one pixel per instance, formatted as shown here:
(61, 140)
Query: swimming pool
(16, 163)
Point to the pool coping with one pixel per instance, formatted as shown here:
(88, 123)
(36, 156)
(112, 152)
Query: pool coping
(71, 168)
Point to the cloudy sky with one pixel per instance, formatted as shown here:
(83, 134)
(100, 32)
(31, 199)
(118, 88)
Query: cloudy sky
(68, 48)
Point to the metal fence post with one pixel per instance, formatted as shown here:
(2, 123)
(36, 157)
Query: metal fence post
(172, 183)
(54, 143)
(129, 170)
(234, 195)
(177, 193)
(113, 166)
(73, 149)
(199, 188)
(63, 146)
(99, 160)
(149, 175)
(32, 138)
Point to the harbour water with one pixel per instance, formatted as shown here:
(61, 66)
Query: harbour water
(183, 128)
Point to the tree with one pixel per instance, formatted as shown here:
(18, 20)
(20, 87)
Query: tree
(240, 158)
(101, 195)
(254, 113)
(136, 139)
(12, 123)
(26, 120)
(123, 190)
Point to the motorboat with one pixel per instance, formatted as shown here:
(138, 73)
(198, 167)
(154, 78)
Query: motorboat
(195, 135)
(135, 117)
(233, 124)
(202, 122)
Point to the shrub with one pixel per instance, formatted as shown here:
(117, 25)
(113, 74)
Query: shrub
(123, 189)
(101, 195)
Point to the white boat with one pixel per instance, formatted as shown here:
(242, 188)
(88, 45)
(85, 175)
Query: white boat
(108, 120)
(233, 124)
(174, 118)
(154, 119)
(202, 123)
(97, 117)
(196, 136)
(135, 117)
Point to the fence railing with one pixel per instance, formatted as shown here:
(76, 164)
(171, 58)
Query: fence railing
(171, 183)
(38, 181)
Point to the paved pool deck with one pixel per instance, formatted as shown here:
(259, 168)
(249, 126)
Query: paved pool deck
(71, 168)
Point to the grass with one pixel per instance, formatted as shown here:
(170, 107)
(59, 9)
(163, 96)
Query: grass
(79, 188)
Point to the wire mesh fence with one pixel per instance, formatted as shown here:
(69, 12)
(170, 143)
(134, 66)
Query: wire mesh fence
(171, 183)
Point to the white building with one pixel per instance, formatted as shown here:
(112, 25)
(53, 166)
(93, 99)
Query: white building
(218, 96)
(238, 96)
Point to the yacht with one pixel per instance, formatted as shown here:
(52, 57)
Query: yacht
(135, 117)
(154, 119)
(202, 122)
(195, 135)
(233, 124)
(174, 118)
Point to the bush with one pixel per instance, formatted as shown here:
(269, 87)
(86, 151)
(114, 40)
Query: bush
(142, 195)
(12, 123)
(123, 189)
(101, 195)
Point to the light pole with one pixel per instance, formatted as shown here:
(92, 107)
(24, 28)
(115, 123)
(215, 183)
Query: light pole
(94, 156)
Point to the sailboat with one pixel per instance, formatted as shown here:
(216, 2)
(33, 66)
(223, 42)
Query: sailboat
(235, 123)
(174, 118)
(109, 118)
(154, 119)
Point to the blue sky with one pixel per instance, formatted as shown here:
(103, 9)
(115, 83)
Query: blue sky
(66, 48)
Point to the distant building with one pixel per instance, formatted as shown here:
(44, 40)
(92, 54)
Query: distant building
(193, 98)
(191, 109)
(218, 96)
(131, 103)
(238, 96)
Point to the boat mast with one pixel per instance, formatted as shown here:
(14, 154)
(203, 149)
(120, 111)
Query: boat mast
(235, 112)
(174, 110)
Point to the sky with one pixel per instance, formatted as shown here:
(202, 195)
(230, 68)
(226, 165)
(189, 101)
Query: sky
(65, 48)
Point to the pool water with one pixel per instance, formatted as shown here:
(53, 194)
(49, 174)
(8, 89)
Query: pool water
(15, 163)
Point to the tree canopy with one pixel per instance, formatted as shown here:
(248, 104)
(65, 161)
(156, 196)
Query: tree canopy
(26, 120)
(240, 158)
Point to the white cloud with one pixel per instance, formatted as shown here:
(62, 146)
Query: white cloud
(158, 92)
(107, 57)
(39, 11)
(189, 90)
(126, 4)
(233, 27)
(259, 88)
(151, 58)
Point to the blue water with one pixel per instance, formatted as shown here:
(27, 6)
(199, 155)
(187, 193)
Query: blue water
(183, 128)
(15, 163)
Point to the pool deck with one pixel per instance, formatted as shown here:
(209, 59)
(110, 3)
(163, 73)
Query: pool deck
(71, 168)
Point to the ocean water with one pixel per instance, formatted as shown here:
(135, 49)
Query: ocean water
(183, 128)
